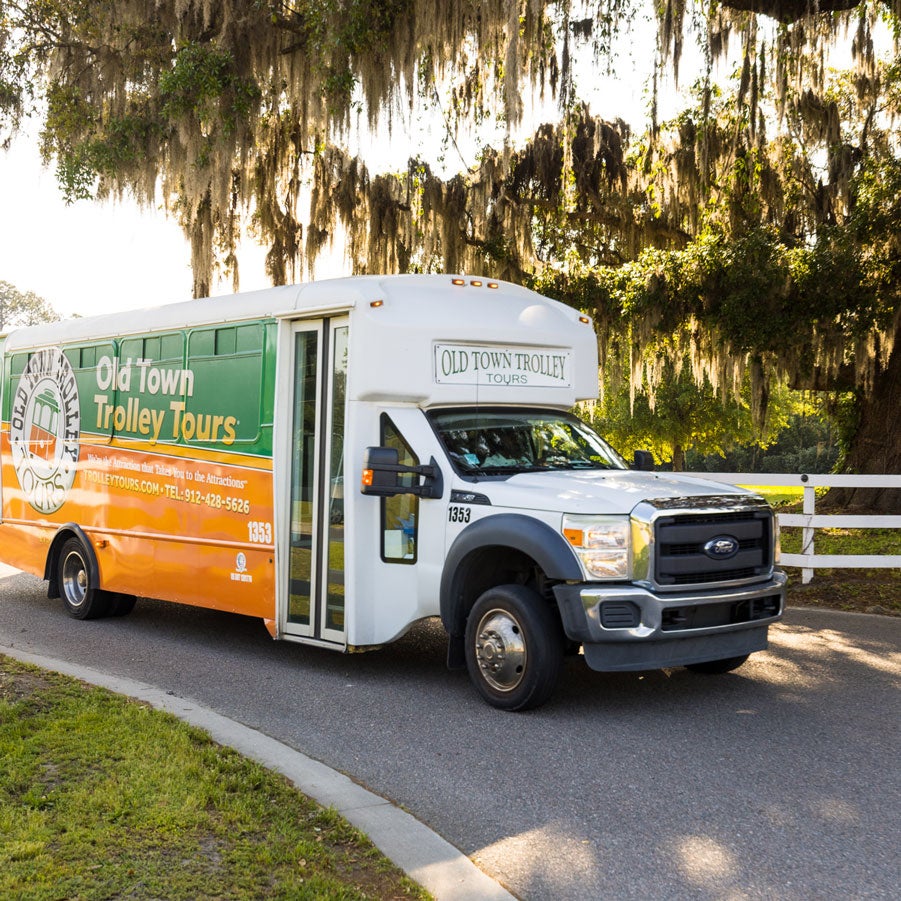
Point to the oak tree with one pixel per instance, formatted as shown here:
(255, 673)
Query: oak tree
(753, 233)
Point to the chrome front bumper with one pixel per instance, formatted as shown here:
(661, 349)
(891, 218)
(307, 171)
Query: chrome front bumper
(628, 627)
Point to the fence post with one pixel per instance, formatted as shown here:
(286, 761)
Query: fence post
(807, 533)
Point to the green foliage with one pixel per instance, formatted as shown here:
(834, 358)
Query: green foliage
(873, 228)
(202, 85)
(843, 409)
(680, 415)
(87, 146)
(754, 290)
(197, 89)
(755, 294)
(808, 443)
(336, 34)
(752, 298)
(23, 308)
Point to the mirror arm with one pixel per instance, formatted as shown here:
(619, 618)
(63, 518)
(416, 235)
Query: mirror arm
(434, 486)
(431, 472)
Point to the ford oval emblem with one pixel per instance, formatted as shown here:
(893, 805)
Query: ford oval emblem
(721, 548)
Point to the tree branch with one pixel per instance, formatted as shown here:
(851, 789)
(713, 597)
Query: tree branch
(787, 11)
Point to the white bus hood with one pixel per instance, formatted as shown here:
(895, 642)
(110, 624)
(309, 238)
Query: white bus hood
(604, 492)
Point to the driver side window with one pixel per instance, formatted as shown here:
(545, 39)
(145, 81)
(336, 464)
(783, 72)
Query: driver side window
(400, 514)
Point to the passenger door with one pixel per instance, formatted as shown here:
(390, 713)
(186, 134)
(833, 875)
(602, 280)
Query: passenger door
(309, 481)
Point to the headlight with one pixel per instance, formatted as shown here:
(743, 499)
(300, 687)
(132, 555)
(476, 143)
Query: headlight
(601, 543)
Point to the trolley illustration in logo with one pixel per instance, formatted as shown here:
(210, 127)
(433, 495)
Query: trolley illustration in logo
(44, 424)
(44, 430)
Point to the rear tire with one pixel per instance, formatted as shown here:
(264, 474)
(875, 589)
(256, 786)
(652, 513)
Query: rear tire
(718, 667)
(82, 599)
(514, 647)
(120, 604)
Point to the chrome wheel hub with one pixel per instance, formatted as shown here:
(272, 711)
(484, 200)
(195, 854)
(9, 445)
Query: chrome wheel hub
(501, 650)
(75, 580)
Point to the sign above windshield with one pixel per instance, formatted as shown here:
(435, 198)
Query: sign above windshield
(494, 364)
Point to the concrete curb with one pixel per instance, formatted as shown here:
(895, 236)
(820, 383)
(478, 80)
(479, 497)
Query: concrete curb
(422, 854)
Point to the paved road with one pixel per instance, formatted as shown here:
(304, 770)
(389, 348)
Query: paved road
(780, 781)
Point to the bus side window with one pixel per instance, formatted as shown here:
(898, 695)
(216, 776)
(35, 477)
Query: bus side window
(227, 364)
(156, 363)
(400, 514)
(88, 362)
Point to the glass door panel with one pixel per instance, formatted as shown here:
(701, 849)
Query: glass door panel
(313, 602)
(303, 501)
(334, 564)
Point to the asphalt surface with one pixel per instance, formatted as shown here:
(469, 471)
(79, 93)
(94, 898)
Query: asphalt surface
(778, 781)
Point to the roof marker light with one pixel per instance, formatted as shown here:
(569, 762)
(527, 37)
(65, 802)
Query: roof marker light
(585, 320)
(458, 281)
(493, 285)
(475, 283)
(376, 303)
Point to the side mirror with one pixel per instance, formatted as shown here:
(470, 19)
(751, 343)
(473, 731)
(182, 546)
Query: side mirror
(643, 460)
(381, 468)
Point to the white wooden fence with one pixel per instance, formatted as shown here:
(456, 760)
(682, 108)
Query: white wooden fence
(810, 520)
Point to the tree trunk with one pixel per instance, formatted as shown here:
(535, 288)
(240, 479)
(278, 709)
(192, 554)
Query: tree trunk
(678, 457)
(876, 446)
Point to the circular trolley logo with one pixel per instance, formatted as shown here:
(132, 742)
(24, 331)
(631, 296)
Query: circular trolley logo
(44, 429)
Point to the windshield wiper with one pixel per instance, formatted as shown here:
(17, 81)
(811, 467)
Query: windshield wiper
(512, 469)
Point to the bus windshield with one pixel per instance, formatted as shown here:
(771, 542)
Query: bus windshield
(489, 442)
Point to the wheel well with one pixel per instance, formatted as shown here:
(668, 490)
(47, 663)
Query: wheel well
(481, 569)
(51, 565)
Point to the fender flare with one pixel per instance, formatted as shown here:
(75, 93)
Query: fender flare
(63, 534)
(547, 547)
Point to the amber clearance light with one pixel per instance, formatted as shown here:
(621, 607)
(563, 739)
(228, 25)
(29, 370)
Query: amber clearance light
(475, 282)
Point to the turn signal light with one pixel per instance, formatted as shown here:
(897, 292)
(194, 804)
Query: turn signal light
(366, 478)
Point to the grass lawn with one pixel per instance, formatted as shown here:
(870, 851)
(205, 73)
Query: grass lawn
(104, 797)
(779, 495)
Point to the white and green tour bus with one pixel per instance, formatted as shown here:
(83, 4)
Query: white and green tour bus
(346, 458)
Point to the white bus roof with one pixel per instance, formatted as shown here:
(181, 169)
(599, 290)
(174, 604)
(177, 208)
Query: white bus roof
(395, 343)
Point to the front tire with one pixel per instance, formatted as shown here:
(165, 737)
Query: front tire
(514, 647)
(718, 667)
(82, 598)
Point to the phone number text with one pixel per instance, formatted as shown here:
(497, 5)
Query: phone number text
(208, 499)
